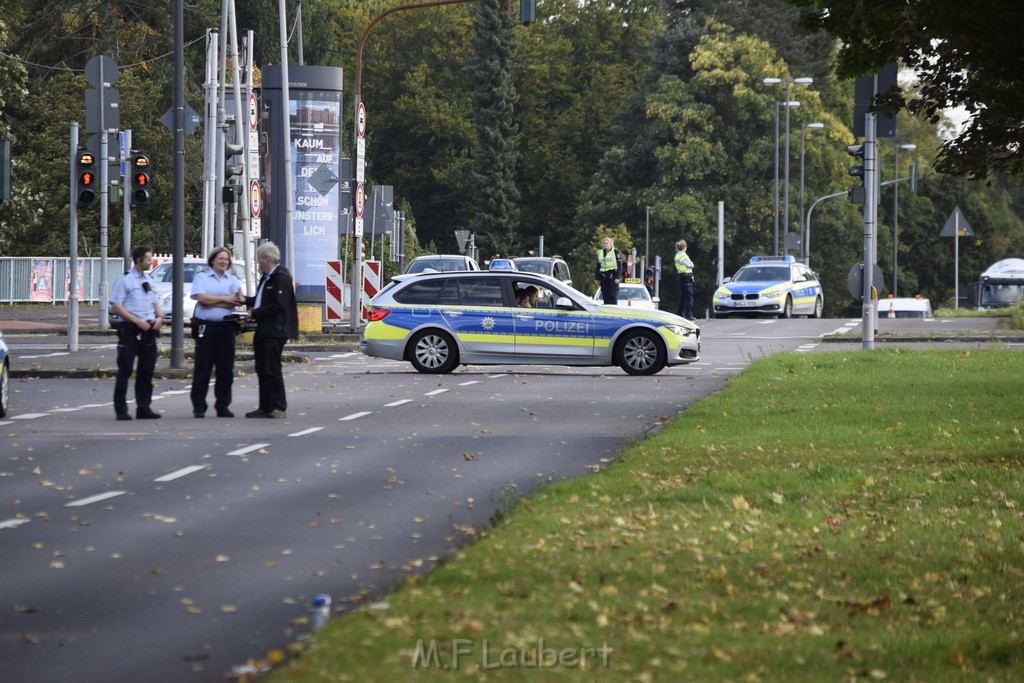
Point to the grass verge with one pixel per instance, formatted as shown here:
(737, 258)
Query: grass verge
(827, 517)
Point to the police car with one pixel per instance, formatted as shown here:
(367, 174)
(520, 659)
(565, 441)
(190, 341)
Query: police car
(438, 321)
(770, 285)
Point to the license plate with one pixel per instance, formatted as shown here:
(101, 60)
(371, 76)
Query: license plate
(746, 304)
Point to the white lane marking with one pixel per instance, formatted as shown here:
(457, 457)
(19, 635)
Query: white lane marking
(306, 431)
(46, 355)
(343, 355)
(400, 402)
(66, 410)
(249, 449)
(354, 416)
(472, 381)
(28, 416)
(174, 392)
(435, 392)
(11, 523)
(94, 499)
(170, 476)
(6, 422)
(497, 376)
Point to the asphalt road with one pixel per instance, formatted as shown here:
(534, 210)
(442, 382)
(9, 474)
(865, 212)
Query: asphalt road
(177, 549)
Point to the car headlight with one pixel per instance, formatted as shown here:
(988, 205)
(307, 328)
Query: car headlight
(679, 330)
(722, 294)
(165, 301)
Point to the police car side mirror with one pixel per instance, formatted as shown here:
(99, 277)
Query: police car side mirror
(728, 279)
(564, 302)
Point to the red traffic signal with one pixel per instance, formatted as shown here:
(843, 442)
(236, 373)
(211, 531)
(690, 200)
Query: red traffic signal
(140, 180)
(86, 190)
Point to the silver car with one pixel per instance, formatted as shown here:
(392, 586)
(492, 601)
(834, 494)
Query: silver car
(438, 321)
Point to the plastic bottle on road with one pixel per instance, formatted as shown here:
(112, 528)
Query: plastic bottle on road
(321, 611)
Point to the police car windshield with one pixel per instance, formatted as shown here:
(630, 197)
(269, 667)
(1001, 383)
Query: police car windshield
(762, 274)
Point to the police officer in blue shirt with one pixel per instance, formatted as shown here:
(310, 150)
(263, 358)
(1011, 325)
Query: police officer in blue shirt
(135, 301)
(217, 291)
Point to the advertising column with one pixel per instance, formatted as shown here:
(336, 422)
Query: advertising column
(315, 122)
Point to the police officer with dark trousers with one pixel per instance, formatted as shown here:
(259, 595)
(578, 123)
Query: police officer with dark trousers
(135, 301)
(684, 274)
(217, 291)
(608, 272)
(277, 320)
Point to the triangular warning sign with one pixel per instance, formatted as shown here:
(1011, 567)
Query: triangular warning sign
(957, 223)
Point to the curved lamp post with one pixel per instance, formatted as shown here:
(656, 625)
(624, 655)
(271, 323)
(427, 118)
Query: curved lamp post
(895, 210)
(803, 138)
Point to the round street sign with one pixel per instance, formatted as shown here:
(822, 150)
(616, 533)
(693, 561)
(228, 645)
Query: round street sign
(254, 112)
(255, 201)
(359, 200)
(361, 120)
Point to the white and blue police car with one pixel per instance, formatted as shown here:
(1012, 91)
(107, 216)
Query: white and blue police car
(778, 286)
(438, 321)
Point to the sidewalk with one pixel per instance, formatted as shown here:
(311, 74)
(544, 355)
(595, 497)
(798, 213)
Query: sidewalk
(37, 341)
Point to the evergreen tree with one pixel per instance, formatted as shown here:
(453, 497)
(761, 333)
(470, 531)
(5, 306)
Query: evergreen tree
(497, 212)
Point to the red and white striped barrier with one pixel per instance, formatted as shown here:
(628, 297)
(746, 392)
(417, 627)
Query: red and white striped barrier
(334, 284)
(371, 285)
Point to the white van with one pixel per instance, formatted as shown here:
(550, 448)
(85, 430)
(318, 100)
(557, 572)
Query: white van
(904, 307)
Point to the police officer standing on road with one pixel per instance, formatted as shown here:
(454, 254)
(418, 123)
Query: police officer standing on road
(608, 272)
(684, 270)
(135, 301)
(217, 291)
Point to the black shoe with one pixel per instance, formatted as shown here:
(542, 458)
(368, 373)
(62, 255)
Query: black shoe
(147, 415)
(276, 414)
(124, 416)
(225, 413)
(256, 413)
(198, 413)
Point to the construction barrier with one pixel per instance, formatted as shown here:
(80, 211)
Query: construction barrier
(371, 285)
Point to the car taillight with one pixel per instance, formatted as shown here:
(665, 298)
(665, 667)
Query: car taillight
(378, 314)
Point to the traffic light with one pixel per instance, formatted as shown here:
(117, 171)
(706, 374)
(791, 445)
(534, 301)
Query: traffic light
(85, 172)
(142, 179)
(232, 167)
(856, 151)
(649, 279)
(527, 11)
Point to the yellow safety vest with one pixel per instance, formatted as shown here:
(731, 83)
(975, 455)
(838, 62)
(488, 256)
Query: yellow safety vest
(680, 262)
(606, 260)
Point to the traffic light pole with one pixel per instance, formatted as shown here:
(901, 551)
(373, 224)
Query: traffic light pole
(104, 211)
(870, 221)
(73, 243)
(126, 202)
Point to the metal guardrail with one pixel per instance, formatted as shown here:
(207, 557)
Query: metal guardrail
(44, 279)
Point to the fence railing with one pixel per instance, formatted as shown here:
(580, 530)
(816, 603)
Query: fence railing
(41, 279)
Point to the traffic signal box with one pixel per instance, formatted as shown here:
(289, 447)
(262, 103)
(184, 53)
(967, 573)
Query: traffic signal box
(88, 183)
(649, 279)
(141, 180)
(856, 193)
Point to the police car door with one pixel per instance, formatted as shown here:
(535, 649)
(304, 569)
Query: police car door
(474, 310)
(546, 333)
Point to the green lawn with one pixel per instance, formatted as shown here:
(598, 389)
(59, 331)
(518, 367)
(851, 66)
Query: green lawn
(827, 517)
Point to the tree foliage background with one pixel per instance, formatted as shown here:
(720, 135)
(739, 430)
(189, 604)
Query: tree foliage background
(612, 108)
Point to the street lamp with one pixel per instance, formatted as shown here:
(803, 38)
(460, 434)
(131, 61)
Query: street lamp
(895, 209)
(788, 104)
(803, 138)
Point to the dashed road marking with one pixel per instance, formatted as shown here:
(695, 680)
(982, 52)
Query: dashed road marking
(94, 499)
(354, 416)
(249, 449)
(170, 476)
(306, 431)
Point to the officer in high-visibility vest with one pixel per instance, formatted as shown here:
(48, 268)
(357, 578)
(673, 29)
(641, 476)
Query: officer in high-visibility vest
(684, 270)
(608, 272)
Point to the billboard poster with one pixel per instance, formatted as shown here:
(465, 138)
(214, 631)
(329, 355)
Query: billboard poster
(41, 280)
(316, 157)
(79, 282)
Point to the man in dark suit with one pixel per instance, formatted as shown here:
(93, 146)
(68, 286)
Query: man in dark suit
(277, 320)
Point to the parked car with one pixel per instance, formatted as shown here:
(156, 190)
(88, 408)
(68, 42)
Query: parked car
(770, 285)
(552, 266)
(438, 321)
(633, 294)
(440, 263)
(5, 377)
(163, 283)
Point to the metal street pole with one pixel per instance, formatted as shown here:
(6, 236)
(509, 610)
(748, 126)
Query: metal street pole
(775, 213)
(788, 104)
(803, 137)
(647, 246)
(895, 212)
(785, 192)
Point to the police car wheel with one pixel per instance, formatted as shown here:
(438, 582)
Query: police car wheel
(433, 352)
(818, 305)
(5, 387)
(640, 352)
(787, 309)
